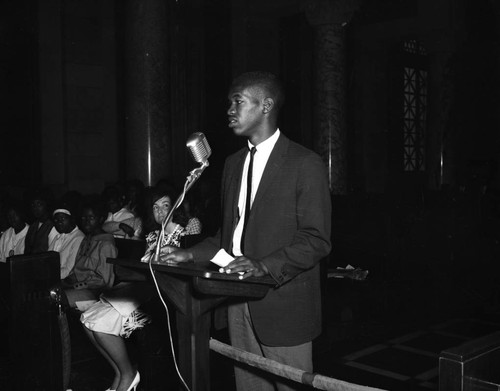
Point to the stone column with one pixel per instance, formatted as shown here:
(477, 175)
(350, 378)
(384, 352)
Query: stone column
(329, 18)
(147, 85)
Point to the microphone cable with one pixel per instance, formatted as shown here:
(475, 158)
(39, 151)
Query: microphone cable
(160, 238)
(200, 151)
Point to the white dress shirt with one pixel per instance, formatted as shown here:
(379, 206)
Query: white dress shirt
(12, 243)
(263, 151)
(67, 246)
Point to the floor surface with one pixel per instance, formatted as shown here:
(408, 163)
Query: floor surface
(367, 340)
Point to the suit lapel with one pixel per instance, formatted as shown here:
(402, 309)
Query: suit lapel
(273, 168)
(234, 184)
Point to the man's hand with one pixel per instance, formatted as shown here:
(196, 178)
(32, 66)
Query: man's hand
(178, 255)
(246, 267)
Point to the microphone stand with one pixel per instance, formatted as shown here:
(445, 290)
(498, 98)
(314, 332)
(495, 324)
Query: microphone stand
(193, 176)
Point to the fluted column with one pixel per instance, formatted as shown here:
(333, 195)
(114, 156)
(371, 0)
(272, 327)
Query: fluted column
(147, 85)
(329, 18)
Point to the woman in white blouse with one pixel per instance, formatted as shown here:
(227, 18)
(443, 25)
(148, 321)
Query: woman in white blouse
(12, 240)
(68, 239)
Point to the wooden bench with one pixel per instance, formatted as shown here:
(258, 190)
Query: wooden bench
(33, 330)
(39, 352)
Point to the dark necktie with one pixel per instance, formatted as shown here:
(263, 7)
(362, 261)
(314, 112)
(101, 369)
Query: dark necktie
(248, 197)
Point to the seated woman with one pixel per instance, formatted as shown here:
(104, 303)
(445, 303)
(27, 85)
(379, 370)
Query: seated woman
(68, 239)
(180, 225)
(117, 313)
(120, 222)
(91, 274)
(12, 240)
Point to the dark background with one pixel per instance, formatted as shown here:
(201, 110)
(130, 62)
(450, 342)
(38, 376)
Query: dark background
(66, 78)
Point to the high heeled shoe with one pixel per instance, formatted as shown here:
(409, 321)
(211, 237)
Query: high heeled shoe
(135, 382)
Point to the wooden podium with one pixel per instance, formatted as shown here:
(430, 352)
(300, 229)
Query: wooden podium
(195, 289)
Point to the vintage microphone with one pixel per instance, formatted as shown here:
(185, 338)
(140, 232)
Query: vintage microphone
(200, 150)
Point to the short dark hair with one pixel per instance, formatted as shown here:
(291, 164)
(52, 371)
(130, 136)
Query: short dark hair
(268, 81)
(17, 207)
(41, 193)
(154, 195)
(94, 202)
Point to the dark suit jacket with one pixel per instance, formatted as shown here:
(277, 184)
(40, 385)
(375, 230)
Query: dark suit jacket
(289, 230)
(37, 239)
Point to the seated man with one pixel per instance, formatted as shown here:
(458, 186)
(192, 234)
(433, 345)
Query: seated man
(12, 240)
(91, 274)
(67, 241)
(120, 222)
(41, 231)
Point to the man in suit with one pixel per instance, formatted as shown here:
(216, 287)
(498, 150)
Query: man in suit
(281, 230)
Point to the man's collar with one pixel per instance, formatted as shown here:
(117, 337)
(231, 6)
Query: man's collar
(268, 143)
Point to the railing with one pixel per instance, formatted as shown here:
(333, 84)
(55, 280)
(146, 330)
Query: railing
(313, 380)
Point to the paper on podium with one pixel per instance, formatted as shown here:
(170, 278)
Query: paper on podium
(222, 258)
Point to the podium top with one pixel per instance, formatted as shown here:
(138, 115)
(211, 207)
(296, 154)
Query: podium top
(206, 270)
(206, 277)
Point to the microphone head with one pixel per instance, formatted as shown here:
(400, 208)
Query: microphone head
(199, 148)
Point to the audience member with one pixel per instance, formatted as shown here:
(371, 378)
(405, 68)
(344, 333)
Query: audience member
(4, 201)
(67, 240)
(134, 197)
(91, 274)
(120, 222)
(117, 314)
(191, 210)
(12, 240)
(180, 225)
(41, 231)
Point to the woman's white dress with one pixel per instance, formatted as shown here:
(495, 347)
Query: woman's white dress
(117, 312)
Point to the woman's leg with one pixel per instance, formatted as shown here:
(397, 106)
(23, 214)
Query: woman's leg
(108, 358)
(115, 348)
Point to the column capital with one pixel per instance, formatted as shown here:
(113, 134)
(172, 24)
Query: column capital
(337, 12)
